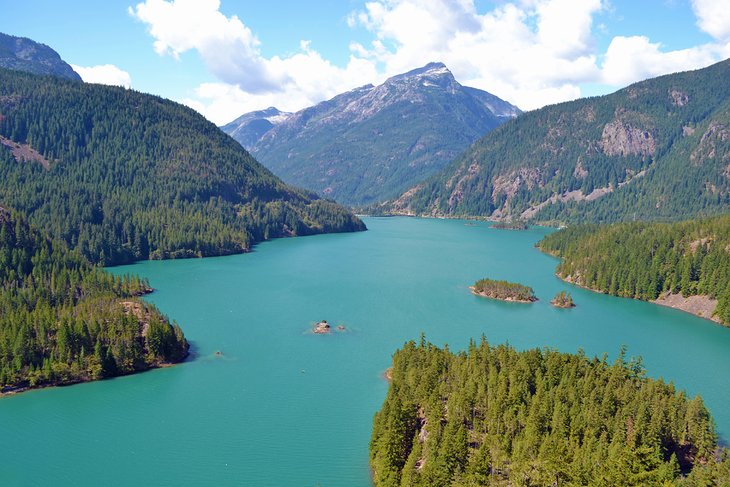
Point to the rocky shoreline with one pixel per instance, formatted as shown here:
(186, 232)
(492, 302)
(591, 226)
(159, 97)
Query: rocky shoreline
(698, 305)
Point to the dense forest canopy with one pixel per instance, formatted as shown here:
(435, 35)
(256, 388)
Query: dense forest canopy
(496, 416)
(122, 176)
(645, 260)
(63, 320)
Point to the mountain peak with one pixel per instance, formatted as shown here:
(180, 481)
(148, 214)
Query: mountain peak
(431, 70)
(250, 127)
(369, 143)
(23, 54)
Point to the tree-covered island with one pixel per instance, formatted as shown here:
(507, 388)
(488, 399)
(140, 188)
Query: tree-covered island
(503, 290)
(563, 300)
(511, 225)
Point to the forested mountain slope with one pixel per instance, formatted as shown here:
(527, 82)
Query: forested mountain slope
(122, 176)
(63, 320)
(658, 149)
(648, 260)
(495, 416)
(373, 142)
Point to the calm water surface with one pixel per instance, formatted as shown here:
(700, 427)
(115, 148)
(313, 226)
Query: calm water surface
(282, 406)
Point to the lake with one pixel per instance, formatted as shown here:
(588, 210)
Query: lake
(282, 406)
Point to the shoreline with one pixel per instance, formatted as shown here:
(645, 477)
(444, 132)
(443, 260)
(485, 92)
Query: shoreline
(673, 302)
(14, 391)
(478, 218)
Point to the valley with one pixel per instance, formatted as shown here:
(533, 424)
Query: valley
(124, 213)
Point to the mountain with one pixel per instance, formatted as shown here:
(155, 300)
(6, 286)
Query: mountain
(375, 141)
(122, 176)
(250, 127)
(658, 149)
(23, 54)
(63, 320)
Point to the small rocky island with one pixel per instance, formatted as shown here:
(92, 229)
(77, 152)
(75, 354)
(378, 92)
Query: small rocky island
(511, 225)
(563, 300)
(504, 291)
(323, 328)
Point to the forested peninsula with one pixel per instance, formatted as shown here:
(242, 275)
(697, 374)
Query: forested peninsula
(687, 263)
(64, 321)
(122, 176)
(495, 416)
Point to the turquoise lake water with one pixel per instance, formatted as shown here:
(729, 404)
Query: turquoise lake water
(282, 406)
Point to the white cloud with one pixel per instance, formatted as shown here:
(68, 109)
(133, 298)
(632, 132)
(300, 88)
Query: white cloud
(105, 74)
(529, 52)
(630, 59)
(231, 52)
(713, 17)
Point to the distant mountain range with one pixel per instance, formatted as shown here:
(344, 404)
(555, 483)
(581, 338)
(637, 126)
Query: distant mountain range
(373, 142)
(23, 54)
(658, 149)
(250, 127)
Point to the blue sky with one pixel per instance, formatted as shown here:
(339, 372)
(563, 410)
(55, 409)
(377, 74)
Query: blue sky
(226, 57)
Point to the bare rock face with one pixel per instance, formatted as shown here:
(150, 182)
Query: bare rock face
(622, 139)
(711, 144)
(509, 184)
(23, 54)
(679, 99)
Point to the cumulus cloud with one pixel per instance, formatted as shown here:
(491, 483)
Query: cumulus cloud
(529, 52)
(105, 74)
(629, 59)
(249, 81)
(226, 45)
(713, 17)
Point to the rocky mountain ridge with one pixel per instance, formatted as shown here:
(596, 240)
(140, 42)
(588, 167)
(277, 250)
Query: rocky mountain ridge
(374, 141)
(22, 54)
(250, 127)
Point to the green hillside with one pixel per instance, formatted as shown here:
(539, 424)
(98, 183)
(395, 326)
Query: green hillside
(657, 149)
(123, 176)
